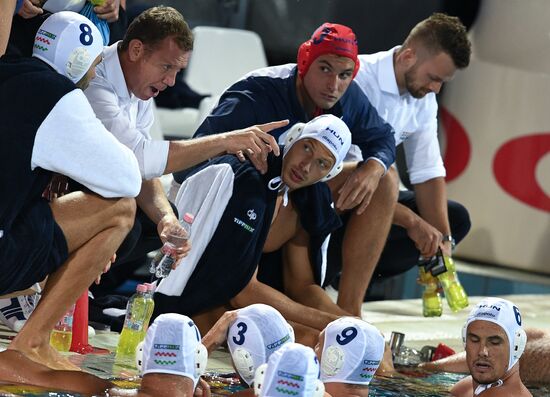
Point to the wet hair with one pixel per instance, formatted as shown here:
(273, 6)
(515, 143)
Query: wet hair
(156, 24)
(442, 33)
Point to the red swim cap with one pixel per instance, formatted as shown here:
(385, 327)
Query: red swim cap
(329, 38)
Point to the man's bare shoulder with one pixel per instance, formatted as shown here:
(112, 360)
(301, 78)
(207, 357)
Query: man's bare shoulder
(463, 388)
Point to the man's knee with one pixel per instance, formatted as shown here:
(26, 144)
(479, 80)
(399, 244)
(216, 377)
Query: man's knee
(125, 213)
(459, 220)
(388, 187)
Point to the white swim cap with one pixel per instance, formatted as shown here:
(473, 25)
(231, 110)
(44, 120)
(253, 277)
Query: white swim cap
(69, 43)
(291, 371)
(328, 129)
(352, 351)
(173, 346)
(505, 314)
(258, 331)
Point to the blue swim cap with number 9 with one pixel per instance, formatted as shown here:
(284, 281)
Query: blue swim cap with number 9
(69, 43)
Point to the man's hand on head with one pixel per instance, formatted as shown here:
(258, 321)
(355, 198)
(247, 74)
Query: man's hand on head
(359, 188)
(255, 143)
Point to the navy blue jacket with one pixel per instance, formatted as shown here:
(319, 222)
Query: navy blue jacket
(233, 253)
(29, 90)
(262, 99)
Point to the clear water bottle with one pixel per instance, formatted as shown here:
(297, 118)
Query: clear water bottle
(134, 323)
(62, 334)
(162, 263)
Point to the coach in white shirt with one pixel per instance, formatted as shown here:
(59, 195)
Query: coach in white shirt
(156, 47)
(402, 84)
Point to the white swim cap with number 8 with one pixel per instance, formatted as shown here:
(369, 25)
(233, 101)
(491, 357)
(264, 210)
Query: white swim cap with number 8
(69, 43)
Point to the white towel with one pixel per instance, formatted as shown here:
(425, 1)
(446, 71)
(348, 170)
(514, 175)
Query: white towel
(204, 195)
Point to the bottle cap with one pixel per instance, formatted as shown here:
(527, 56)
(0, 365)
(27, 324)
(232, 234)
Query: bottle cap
(189, 218)
(141, 288)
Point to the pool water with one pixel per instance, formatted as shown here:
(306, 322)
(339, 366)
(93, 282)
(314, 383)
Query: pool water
(408, 384)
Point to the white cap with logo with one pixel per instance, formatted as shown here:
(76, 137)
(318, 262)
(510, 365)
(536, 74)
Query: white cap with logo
(293, 370)
(329, 130)
(505, 314)
(352, 351)
(69, 43)
(173, 346)
(258, 331)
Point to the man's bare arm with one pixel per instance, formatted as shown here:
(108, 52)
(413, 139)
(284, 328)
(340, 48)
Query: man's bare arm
(257, 292)
(255, 142)
(299, 282)
(431, 200)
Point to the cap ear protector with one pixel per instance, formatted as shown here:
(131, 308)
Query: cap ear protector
(139, 356)
(332, 360)
(319, 389)
(259, 378)
(520, 340)
(201, 359)
(244, 363)
(333, 172)
(293, 134)
(291, 333)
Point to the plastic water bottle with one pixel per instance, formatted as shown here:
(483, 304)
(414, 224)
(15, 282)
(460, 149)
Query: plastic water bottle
(62, 334)
(134, 323)
(149, 306)
(162, 263)
(432, 304)
(445, 271)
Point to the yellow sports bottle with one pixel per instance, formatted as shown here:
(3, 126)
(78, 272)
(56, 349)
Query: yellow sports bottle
(432, 305)
(445, 271)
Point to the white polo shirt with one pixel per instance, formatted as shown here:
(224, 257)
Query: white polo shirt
(414, 120)
(127, 117)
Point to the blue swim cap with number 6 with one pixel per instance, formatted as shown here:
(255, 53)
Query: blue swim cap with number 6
(69, 43)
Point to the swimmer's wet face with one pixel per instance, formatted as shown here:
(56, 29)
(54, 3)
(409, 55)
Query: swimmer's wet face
(307, 162)
(487, 351)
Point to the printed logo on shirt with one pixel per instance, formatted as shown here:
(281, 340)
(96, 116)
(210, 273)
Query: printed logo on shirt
(251, 214)
(404, 135)
(242, 224)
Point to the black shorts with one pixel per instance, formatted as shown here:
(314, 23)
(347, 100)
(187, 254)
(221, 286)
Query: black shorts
(31, 249)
